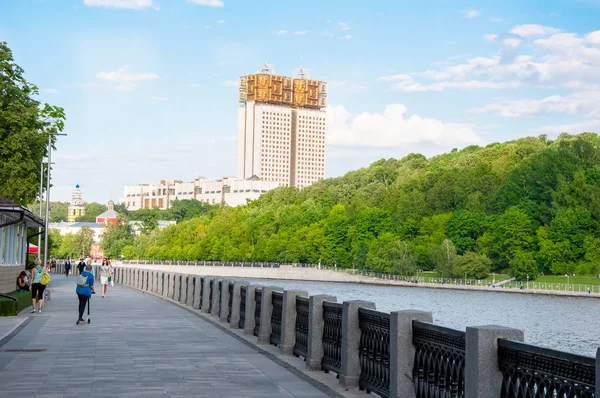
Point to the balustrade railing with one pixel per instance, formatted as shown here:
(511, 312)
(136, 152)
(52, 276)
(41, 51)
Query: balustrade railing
(257, 310)
(374, 351)
(243, 294)
(301, 344)
(530, 371)
(230, 303)
(332, 337)
(211, 292)
(439, 367)
(276, 315)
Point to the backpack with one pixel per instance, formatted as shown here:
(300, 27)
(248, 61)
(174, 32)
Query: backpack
(82, 281)
(45, 277)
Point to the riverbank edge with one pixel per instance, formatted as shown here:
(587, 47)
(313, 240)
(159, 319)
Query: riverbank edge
(316, 275)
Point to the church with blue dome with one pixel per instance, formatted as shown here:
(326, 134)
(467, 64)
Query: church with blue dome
(77, 206)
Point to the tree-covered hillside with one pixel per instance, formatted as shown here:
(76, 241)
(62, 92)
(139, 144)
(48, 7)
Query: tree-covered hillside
(530, 205)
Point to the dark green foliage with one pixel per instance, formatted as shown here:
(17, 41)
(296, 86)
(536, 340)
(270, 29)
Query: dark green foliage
(498, 207)
(24, 128)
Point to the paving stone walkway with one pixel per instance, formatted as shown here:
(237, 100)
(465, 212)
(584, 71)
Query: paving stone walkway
(137, 345)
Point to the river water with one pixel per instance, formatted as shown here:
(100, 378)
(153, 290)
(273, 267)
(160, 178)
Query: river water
(570, 324)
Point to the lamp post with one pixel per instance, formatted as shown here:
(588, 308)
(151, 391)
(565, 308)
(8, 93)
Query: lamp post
(527, 281)
(41, 196)
(48, 197)
(465, 278)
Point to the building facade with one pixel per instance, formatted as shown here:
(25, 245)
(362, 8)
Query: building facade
(109, 216)
(77, 206)
(281, 128)
(229, 191)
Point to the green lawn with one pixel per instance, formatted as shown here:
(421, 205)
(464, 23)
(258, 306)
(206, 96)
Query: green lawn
(573, 280)
(7, 306)
(434, 275)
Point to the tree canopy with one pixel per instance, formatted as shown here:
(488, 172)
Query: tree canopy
(25, 124)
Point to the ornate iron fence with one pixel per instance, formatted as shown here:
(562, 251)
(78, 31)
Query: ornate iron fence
(211, 291)
(439, 367)
(276, 316)
(193, 290)
(162, 283)
(301, 344)
(530, 371)
(230, 303)
(257, 310)
(374, 351)
(332, 337)
(243, 291)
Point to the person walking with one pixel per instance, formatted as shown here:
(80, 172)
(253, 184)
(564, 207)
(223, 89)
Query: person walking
(67, 267)
(81, 265)
(85, 288)
(53, 265)
(37, 289)
(106, 274)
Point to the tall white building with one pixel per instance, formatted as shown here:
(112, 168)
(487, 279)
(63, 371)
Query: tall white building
(282, 128)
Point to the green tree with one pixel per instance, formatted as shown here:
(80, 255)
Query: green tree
(444, 258)
(92, 210)
(24, 127)
(83, 241)
(472, 265)
(523, 266)
(115, 238)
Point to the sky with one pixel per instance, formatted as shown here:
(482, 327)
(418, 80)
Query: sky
(149, 86)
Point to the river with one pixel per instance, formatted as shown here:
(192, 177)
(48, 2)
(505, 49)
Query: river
(570, 324)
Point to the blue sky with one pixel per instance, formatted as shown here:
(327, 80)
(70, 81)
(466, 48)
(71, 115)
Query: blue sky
(148, 85)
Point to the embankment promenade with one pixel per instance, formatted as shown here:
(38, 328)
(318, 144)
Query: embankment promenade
(291, 272)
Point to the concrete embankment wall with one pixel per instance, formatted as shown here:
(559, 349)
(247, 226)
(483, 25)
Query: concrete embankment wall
(288, 272)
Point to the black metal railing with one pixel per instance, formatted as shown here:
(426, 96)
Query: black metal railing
(243, 293)
(211, 290)
(374, 351)
(301, 345)
(257, 310)
(194, 287)
(332, 337)
(276, 317)
(439, 366)
(230, 301)
(530, 371)
(162, 283)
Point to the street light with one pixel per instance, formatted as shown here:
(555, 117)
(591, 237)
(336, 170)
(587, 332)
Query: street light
(48, 196)
(527, 281)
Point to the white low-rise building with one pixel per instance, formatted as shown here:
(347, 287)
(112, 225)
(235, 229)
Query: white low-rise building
(230, 191)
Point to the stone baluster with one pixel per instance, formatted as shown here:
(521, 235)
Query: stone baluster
(350, 373)
(288, 320)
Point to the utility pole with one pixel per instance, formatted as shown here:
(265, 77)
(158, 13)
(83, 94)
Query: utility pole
(41, 196)
(48, 197)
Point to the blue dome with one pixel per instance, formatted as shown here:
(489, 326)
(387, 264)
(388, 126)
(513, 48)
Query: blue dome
(77, 186)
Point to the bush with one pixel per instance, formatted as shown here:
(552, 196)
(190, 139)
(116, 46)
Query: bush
(523, 265)
(8, 307)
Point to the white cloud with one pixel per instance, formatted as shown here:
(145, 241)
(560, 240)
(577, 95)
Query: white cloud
(593, 37)
(511, 42)
(580, 103)
(208, 3)
(490, 37)
(281, 32)
(128, 4)
(471, 13)
(208, 27)
(50, 91)
(406, 83)
(347, 36)
(195, 85)
(229, 83)
(530, 30)
(157, 98)
(125, 80)
(574, 128)
(563, 59)
(300, 32)
(221, 21)
(344, 26)
(393, 128)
